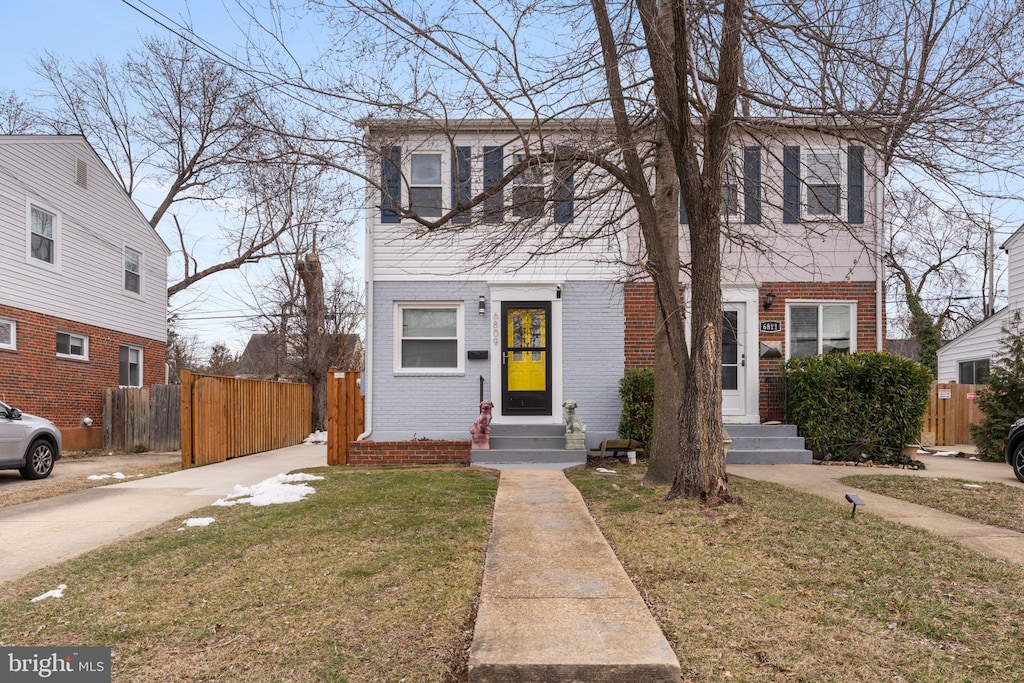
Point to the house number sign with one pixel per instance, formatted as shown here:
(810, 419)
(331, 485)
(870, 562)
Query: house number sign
(771, 326)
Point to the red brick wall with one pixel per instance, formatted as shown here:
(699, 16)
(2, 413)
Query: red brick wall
(33, 379)
(639, 315)
(408, 453)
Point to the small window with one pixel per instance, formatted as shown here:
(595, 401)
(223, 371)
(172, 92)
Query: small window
(129, 370)
(429, 337)
(824, 179)
(732, 189)
(528, 191)
(974, 371)
(132, 270)
(72, 345)
(8, 334)
(42, 228)
(816, 329)
(425, 185)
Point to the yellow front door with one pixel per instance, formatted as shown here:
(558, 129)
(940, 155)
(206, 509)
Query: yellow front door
(526, 358)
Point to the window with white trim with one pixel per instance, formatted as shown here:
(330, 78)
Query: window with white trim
(429, 337)
(132, 270)
(820, 328)
(129, 366)
(425, 191)
(8, 334)
(732, 188)
(973, 371)
(528, 191)
(72, 346)
(43, 227)
(824, 178)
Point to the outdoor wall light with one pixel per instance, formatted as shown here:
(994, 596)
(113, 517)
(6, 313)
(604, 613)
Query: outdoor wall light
(481, 306)
(769, 299)
(855, 499)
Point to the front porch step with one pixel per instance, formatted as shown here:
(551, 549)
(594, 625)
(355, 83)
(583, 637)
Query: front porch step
(526, 456)
(766, 445)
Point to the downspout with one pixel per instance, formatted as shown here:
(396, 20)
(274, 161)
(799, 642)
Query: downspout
(368, 365)
(879, 266)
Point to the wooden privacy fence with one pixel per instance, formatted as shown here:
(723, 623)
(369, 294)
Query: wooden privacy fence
(345, 417)
(951, 412)
(137, 419)
(225, 417)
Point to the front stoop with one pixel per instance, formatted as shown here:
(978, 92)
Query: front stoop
(526, 445)
(556, 606)
(760, 444)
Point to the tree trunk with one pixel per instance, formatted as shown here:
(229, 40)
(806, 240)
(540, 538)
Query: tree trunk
(315, 360)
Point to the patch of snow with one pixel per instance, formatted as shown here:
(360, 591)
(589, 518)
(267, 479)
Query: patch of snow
(945, 454)
(273, 491)
(601, 470)
(57, 592)
(115, 475)
(973, 486)
(316, 437)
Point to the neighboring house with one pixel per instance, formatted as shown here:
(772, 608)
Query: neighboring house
(968, 358)
(83, 302)
(444, 330)
(265, 357)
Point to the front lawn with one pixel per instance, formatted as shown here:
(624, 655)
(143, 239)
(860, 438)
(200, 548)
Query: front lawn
(986, 502)
(372, 578)
(788, 587)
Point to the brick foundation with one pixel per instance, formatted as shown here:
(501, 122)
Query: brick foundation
(408, 453)
(35, 380)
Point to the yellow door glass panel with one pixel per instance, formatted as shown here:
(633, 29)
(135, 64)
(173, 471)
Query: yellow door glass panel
(526, 360)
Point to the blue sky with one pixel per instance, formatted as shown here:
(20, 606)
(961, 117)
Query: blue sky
(214, 309)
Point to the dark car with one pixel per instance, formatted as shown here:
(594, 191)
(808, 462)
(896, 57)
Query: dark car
(28, 443)
(1015, 448)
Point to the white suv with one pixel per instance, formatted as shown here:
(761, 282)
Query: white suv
(28, 443)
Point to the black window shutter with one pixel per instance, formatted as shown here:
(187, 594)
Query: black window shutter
(494, 160)
(682, 208)
(462, 188)
(791, 185)
(855, 184)
(391, 179)
(752, 184)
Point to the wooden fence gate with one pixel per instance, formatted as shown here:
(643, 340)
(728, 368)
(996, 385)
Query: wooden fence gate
(226, 417)
(951, 412)
(345, 417)
(137, 419)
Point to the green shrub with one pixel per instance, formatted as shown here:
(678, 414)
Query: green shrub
(859, 406)
(636, 389)
(1002, 401)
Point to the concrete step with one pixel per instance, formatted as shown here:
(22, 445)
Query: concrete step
(527, 442)
(744, 430)
(766, 445)
(527, 430)
(768, 456)
(555, 603)
(531, 455)
(753, 443)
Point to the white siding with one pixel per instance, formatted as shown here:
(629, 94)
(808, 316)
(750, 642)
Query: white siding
(981, 341)
(96, 222)
(1015, 268)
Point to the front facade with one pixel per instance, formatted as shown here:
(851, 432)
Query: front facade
(449, 325)
(84, 299)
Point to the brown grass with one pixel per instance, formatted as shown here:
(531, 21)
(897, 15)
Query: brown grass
(70, 475)
(788, 587)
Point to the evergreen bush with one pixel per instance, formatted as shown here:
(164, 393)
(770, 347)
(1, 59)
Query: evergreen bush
(636, 389)
(1002, 401)
(862, 406)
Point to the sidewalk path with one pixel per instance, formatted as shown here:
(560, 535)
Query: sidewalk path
(823, 480)
(40, 533)
(555, 603)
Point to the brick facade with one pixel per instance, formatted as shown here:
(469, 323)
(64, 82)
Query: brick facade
(408, 453)
(64, 390)
(639, 314)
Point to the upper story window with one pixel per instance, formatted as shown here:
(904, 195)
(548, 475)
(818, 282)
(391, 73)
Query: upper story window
(528, 191)
(741, 187)
(8, 334)
(820, 328)
(974, 371)
(72, 346)
(429, 337)
(823, 183)
(824, 174)
(731, 189)
(132, 270)
(425, 185)
(43, 235)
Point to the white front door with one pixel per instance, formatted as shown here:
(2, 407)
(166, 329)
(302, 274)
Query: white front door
(734, 359)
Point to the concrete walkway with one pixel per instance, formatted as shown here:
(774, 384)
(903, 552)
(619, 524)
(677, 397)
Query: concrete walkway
(40, 533)
(555, 603)
(823, 480)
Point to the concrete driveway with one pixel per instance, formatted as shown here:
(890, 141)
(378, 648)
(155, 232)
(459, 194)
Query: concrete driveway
(40, 533)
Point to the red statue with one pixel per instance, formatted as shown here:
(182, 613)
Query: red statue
(481, 429)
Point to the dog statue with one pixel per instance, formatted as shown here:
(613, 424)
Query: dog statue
(575, 430)
(481, 429)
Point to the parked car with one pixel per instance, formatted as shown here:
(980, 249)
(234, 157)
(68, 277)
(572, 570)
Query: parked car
(28, 443)
(1015, 449)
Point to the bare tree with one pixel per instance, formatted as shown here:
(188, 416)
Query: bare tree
(17, 116)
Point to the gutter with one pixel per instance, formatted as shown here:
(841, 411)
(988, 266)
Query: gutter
(880, 268)
(368, 368)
